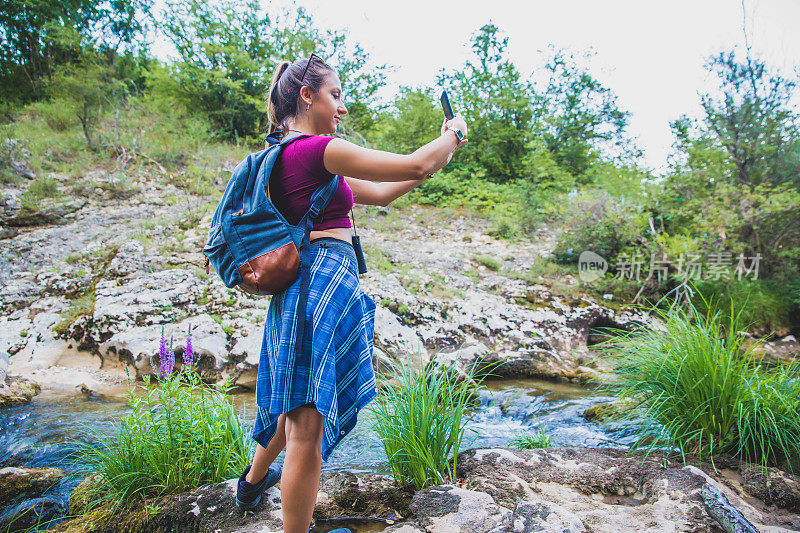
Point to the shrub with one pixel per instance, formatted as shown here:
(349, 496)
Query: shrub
(489, 262)
(180, 434)
(763, 303)
(43, 188)
(595, 222)
(421, 420)
(701, 395)
(57, 113)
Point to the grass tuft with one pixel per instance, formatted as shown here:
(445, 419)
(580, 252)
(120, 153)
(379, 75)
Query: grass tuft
(489, 262)
(532, 442)
(180, 434)
(420, 415)
(702, 394)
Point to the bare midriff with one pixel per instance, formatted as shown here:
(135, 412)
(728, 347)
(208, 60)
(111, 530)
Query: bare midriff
(343, 234)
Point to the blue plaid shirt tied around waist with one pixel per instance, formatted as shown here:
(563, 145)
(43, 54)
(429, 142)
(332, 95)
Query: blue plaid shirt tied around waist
(337, 376)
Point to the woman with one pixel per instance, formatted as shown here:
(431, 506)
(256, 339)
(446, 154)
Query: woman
(308, 405)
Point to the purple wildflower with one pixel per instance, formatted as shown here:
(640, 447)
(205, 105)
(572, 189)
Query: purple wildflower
(188, 352)
(162, 356)
(170, 362)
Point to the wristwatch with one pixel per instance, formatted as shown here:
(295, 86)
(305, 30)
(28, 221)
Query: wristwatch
(459, 135)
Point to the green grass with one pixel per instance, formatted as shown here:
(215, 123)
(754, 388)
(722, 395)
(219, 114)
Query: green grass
(83, 305)
(531, 442)
(701, 393)
(489, 262)
(180, 434)
(420, 415)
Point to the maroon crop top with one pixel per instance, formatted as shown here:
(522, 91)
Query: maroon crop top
(298, 172)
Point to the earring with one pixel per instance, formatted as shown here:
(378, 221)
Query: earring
(307, 106)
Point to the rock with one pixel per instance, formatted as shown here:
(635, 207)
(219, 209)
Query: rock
(450, 509)
(607, 410)
(211, 508)
(16, 294)
(9, 204)
(49, 215)
(31, 513)
(530, 516)
(17, 391)
(605, 490)
(246, 353)
(206, 509)
(781, 351)
(8, 233)
(85, 494)
(394, 337)
(533, 332)
(129, 259)
(157, 298)
(21, 170)
(772, 486)
(41, 347)
(360, 495)
(27, 482)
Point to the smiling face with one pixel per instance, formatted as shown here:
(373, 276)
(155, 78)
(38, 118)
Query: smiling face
(327, 107)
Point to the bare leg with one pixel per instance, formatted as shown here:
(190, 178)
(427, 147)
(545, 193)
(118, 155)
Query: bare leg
(301, 468)
(264, 457)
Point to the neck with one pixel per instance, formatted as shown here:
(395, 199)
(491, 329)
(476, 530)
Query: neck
(301, 125)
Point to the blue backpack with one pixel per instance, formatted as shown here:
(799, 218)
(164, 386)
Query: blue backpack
(250, 244)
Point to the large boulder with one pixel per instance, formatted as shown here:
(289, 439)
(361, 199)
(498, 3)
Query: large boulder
(27, 482)
(446, 509)
(139, 346)
(15, 390)
(780, 351)
(211, 508)
(607, 490)
(526, 331)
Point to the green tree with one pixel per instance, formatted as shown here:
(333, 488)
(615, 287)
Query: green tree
(414, 120)
(578, 118)
(84, 87)
(750, 115)
(227, 51)
(361, 80)
(36, 36)
(496, 103)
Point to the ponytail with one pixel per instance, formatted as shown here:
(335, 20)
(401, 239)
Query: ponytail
(274, 122)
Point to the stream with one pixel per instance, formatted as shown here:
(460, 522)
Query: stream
(44, 433)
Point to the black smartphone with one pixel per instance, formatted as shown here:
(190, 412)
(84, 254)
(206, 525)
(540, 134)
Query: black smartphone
(448, 109)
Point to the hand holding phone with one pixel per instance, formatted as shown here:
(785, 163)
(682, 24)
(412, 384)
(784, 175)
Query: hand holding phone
(459, 129)
(448, 109)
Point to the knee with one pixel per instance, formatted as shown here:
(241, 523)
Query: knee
(303, 427)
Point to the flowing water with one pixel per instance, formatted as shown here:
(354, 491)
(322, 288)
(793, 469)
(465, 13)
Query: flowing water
(45, 432)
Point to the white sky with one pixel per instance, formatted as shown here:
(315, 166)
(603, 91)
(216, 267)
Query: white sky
(649, 53)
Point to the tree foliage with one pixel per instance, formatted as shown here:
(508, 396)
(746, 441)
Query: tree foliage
(577, 117)
(227, 51)
(36, 36)
(751, 117)
(495, 101)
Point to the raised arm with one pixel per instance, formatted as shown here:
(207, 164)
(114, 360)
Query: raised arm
(348, 159)
(372, 193)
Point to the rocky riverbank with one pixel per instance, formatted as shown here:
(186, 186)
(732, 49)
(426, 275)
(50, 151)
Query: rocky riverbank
(88, 288)
(499, 490)
(85, 298)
